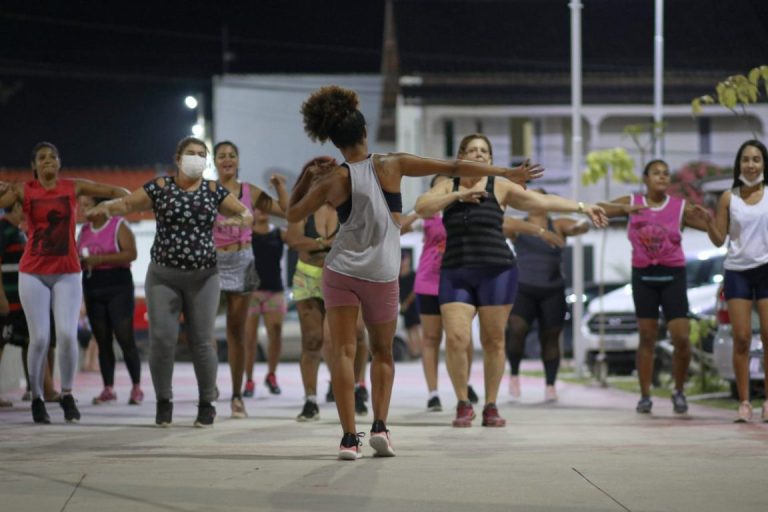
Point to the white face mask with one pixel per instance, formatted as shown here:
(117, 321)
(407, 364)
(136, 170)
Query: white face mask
(751, 183)
(193, 166)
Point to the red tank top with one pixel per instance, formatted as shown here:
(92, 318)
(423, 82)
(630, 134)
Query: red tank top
(50, 216)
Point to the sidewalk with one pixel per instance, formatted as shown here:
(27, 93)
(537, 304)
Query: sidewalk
(588, 452)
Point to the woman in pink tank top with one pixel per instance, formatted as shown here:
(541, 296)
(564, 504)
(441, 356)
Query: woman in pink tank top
(107, 247)
(235, 262)
(658, 275)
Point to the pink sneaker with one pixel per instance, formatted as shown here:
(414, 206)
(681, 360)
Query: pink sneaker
(137, 396)
(349, 449)
(380, 440)
(106, 396)
(491, 416)
(464, 415)
(745, 412)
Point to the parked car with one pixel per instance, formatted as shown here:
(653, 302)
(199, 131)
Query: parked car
(722, 350)
(619, 323)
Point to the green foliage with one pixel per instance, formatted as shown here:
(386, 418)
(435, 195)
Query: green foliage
(616, 162)
(735, 91)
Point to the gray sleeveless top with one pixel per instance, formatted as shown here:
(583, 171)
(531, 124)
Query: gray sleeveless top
(367, 245)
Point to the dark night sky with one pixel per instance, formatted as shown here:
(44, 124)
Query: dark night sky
(105, 80)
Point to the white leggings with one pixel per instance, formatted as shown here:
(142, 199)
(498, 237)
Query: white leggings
(40, 294)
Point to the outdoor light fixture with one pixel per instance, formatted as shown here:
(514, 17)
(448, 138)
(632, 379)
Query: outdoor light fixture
(198, 130)
(190, 102)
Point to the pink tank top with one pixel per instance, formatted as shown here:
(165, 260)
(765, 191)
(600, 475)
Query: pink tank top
(428, 272)
(655, 233)
(101, 241)
(228, 235)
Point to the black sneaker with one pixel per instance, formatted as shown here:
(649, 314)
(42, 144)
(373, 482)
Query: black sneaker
(360, 408)
(164, 413)
(364, 392)
(434, 405)
(471, 395)
(39, 414)
(644, 405)
(329, 395)
(679, 403)
(310, 412)
(71, 414)
(205, 414)
(349, 449)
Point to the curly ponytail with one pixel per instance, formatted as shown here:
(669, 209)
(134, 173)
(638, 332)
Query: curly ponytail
(332, 113)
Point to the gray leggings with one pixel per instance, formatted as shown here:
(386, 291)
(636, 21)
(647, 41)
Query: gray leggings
(170, 291)
(40, 294)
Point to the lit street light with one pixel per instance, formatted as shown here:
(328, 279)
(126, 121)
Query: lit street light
(190, 102)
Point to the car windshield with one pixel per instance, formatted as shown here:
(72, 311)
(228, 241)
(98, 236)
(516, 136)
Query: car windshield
(700, 272)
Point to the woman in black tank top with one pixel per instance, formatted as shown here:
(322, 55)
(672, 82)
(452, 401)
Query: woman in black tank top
(479, 273)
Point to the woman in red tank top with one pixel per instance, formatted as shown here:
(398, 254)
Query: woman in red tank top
(49, 271)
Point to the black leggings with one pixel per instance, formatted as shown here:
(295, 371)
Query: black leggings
(110, 310)
(547, 307)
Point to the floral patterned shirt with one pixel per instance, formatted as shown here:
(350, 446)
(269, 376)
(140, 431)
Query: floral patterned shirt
(184, 237)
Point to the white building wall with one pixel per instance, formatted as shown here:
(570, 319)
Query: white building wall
(261, 114)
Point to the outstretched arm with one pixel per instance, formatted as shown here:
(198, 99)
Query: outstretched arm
(719, 224)
(96, 189)
(517, 197)
(136, 201)
(412, 165)
(326, 186)
(513, 227)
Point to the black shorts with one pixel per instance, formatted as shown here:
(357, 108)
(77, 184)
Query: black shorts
(547, 305)
(658, 286)
(428, 304)
(13, 329)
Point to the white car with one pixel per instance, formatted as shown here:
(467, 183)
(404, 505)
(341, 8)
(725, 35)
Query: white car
(620, 337)
(722, 350)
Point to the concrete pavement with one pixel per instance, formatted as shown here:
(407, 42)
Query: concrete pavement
(588, 452)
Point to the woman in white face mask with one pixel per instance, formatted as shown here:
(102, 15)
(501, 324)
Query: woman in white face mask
(742, 217)
(182, 276)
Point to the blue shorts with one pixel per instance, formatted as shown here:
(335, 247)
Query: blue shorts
(750, 284)
(479, 286)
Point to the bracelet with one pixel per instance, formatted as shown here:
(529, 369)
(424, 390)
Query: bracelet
(541, 231)
(319, 241)
(581, 207)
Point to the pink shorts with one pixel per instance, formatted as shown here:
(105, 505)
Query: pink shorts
(380, 301)
(267, 302)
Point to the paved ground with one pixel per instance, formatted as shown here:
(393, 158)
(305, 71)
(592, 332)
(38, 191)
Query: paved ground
(589, 452)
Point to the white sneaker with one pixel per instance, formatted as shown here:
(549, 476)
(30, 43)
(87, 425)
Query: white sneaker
(238, 408)
(745, 412)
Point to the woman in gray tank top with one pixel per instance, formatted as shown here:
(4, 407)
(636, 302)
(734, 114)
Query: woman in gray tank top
(361, 270)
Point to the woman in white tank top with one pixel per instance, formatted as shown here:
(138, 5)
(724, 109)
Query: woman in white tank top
(742, 219)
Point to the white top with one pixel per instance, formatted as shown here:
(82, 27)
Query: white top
(367, 245)
(748, 233)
